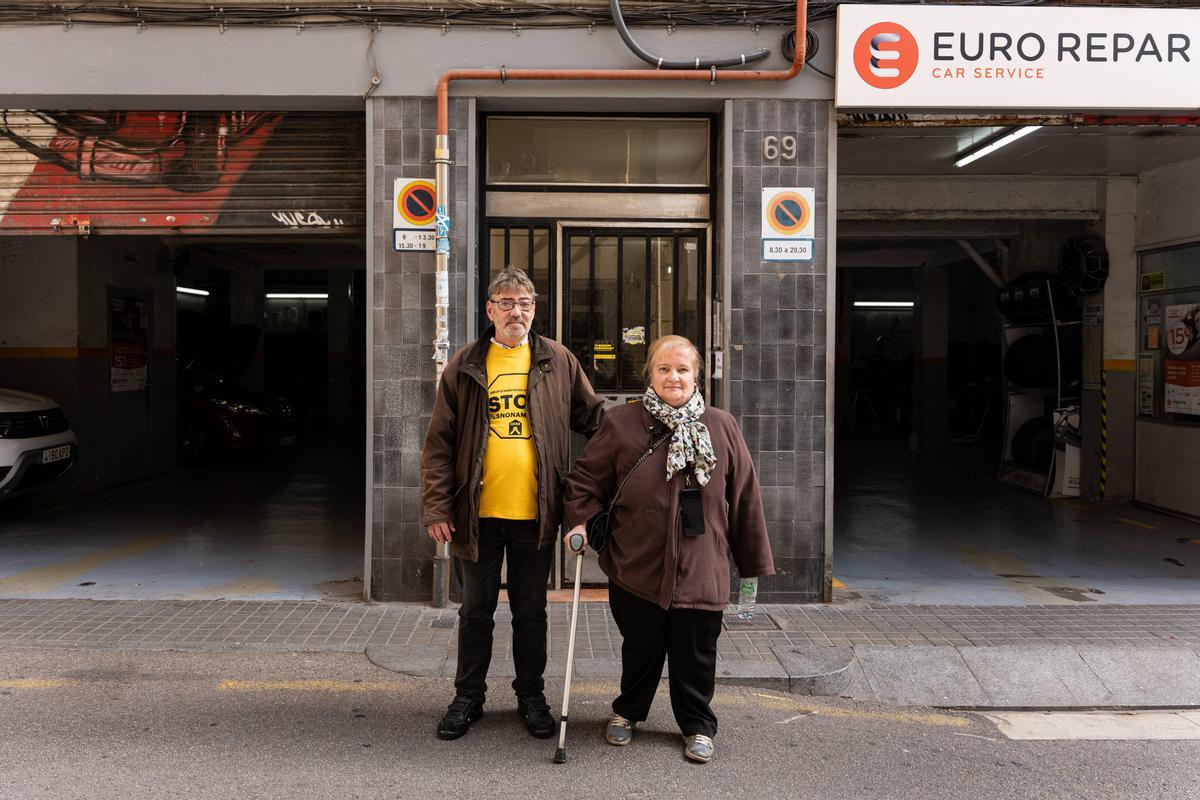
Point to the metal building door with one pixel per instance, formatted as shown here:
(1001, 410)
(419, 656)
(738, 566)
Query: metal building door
(621, 288)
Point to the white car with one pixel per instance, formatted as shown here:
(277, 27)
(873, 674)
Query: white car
(36, 443)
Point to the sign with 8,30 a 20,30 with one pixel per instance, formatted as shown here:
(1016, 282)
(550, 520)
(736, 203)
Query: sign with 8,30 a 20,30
(414, 209)
(788, 223)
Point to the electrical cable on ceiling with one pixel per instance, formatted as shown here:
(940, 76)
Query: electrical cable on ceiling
(741, 59)
(376, 78)
(462, 13)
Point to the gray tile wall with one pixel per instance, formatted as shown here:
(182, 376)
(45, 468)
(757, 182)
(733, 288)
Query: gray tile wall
(403, 326)
(776, 355)
(777, 341)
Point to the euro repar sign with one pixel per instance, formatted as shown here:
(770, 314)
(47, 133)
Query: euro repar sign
(1026, 58)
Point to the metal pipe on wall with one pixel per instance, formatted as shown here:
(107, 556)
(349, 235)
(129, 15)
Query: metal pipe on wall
(441, 349)
(441, 341)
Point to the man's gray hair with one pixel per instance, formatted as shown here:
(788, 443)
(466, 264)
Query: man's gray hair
(511, 280)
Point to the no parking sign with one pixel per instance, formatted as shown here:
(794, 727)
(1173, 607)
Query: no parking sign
(788, 223)
(414, 209)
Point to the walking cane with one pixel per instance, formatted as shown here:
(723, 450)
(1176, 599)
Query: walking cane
(576, 544)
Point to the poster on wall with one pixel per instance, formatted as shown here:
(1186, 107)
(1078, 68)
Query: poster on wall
(1181, 370)
(129, 325)
(1146, 384)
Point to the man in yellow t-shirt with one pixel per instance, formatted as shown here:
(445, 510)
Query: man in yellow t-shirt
(510, 460)
(495, 453)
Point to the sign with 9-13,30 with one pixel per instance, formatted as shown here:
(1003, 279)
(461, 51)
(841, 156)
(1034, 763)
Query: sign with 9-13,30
(413, 214)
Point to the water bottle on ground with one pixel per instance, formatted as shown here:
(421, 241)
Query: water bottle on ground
(747, 594)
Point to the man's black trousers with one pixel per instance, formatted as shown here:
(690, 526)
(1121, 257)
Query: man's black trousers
(688, 637)
(528, 572)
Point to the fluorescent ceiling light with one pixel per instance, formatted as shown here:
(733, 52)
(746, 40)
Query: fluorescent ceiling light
(297, 295)
(975, 155)
(186, 290)
(884, 304)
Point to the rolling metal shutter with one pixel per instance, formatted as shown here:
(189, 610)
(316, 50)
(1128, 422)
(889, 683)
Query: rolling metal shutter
(194, 172)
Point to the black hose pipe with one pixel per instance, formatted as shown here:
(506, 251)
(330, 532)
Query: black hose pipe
(672, 63)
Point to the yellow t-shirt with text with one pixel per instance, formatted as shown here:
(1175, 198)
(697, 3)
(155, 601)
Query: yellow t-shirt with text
(510, 461)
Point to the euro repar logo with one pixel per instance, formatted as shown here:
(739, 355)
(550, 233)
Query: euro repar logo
(886, 55)
(507, 404)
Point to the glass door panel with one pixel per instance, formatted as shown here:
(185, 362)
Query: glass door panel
(633, 309)
(525, 246)
(690, 313)
(625, 291)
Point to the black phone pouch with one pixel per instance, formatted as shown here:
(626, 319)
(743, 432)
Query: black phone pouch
(691, 509)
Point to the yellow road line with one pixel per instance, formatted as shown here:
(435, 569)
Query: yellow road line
(34, 683)
(1137, 524)
(253, 585)
(838, 584)
(939, 720)
(317, 685)
(45, 578)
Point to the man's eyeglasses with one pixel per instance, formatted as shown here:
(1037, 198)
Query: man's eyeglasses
(508, 303)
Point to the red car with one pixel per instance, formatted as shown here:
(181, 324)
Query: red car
(216, 416)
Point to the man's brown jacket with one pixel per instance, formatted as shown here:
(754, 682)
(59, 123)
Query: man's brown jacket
(560, 400)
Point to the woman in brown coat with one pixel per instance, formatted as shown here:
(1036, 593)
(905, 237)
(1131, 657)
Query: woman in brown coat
(691, 504)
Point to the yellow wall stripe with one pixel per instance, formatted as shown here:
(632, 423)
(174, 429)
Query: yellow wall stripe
(39, 352)
(67, 352)
(1120, 364)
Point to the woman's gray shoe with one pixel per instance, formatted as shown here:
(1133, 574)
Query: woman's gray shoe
(698, 747)
(620, 731)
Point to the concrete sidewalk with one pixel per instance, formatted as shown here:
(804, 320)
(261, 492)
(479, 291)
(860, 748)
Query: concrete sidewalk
(956, 656)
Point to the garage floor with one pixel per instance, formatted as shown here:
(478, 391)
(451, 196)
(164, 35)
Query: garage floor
(277, 528)
(938, 529)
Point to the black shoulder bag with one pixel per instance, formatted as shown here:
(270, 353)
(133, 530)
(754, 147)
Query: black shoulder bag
(597, 526)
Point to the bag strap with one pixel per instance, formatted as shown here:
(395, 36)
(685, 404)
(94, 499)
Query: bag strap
(633, 469)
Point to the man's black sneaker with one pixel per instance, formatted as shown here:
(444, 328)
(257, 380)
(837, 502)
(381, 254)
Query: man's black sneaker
(459, 716)
(536, 713)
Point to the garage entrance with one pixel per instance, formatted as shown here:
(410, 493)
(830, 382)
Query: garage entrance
(976, 460)
(190, 292)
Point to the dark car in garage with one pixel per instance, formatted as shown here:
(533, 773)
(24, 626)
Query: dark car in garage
(216, 416)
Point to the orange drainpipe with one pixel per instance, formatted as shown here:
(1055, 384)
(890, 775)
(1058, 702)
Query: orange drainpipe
(441, 160)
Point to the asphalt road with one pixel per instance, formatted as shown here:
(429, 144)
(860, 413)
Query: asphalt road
(125, 724)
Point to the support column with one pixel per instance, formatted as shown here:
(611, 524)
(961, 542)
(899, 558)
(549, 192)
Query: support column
(1120, 340)
(929, 363)
(843, 369)
(338, 350)
(247, 306)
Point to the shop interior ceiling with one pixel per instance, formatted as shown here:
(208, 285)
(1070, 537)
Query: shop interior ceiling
(1061, 150)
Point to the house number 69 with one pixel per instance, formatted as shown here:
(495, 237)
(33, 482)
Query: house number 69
(776, 146)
